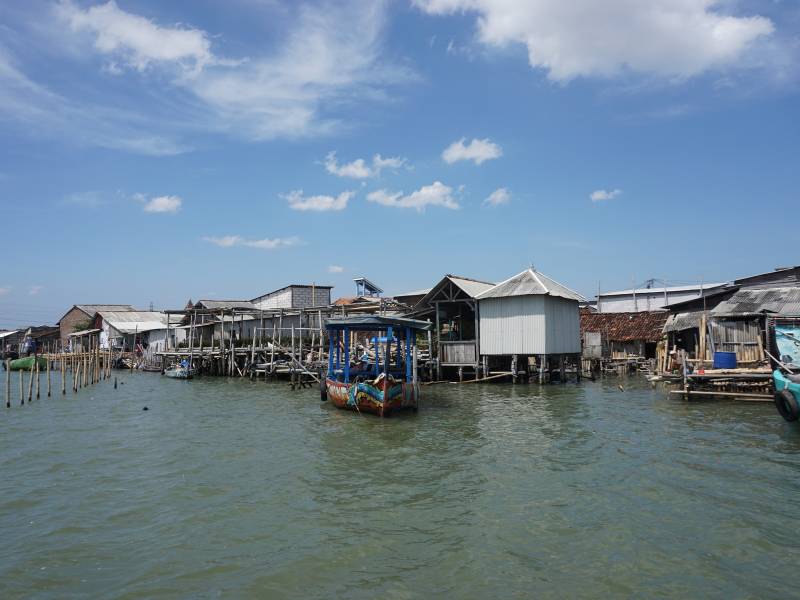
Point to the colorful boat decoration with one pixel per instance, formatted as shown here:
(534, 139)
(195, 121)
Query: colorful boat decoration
(25, 364)
(384, 385)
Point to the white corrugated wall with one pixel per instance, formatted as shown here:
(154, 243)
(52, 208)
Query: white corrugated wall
(529, 325)
(563, 326)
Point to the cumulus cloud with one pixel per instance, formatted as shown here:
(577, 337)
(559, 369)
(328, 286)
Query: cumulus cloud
(321, 203)
(498, 197)
(359, 169)
(478, 151)
(436, 194)
(163, 204)
(335, 269)
(671, 38)
(35, 289)
(228, 241)
(136, 40)
(600, 195)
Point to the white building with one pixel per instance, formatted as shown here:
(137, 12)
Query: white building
(652, 298)
(529, 314)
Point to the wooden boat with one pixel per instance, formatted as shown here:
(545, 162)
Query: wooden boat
(179, 372)
(383, 387)
(25, 364)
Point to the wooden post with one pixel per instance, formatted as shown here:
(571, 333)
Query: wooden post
(21, 387)
(232, 361)
(30, 383)
(38, 378)
(49, 382)
(562, 369)
(63, 369)
(8, 383)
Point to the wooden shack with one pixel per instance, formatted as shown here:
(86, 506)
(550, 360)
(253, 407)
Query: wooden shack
(453, 307)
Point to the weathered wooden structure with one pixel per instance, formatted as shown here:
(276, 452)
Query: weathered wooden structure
(453, 307)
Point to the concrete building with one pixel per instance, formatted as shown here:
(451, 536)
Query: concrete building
(295, 296)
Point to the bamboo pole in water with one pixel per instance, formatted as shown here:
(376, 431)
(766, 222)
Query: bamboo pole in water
(38, 378)
(49, 381)
(63, 368)
(30, 384)
(21, 387)
(8, 383)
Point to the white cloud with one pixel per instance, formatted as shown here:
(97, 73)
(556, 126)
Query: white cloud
(35, 289)
(228, 241)
(359, 169)
(271, 243)
(40, 112)
(163, 204)
(436, 194)
(297, 201)
(390, 162)
(669, 38)
(600, 195)
(328, 58)
(335, 269)
(477, 151)
(136, 40)
(225, 241)
(497, 197)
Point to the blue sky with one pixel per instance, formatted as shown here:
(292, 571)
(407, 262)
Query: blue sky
(153, 152)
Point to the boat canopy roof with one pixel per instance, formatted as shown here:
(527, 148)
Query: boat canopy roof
(374, 323)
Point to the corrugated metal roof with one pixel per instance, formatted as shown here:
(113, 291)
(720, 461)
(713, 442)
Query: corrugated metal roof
(91, 309)
(625, 327)
(660, 290)
(225, 304)
(471, 287)
(133, 321)
(684, 320)
(783, 301)
(5, 334)
(531, 283)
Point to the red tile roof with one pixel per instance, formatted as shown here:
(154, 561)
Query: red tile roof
(625, 327)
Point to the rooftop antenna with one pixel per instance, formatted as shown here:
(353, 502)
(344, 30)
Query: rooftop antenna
(151, 306)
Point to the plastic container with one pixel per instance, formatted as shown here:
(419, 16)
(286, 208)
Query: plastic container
(724, 360)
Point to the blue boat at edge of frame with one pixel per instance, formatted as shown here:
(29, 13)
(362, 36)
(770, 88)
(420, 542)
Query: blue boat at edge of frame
(787, 394)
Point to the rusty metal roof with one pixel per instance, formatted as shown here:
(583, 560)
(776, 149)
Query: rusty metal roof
(625, 327)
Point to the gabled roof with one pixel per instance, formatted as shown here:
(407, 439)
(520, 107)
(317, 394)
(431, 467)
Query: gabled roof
(90, 309)
(470, 287)
(531, 283)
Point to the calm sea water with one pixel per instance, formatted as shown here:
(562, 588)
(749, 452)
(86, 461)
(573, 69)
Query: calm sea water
(230, 488)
